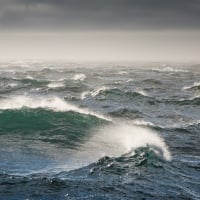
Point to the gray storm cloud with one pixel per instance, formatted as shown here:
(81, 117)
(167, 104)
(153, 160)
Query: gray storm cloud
(100, 14)
(146, 30)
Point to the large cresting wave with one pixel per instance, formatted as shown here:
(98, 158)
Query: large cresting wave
(117, 141)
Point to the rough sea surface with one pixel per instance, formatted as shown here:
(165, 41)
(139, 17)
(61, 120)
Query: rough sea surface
(99, 131)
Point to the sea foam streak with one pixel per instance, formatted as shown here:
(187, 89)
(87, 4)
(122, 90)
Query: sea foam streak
(52, 103)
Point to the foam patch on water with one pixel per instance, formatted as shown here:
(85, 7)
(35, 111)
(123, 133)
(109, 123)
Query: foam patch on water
(52, 103)
(122, 72)
(56, 85)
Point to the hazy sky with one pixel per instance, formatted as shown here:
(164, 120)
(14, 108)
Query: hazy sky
(147, 30)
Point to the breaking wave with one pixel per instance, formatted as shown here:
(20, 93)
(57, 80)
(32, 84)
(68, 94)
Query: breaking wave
(116, 140)
(79, 77)
(51, 103)
(56, 85)
(195, 86)
(168, 69)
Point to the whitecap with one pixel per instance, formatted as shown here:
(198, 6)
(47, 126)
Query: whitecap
(12, 85)
(116, 140)
(84, 94)
(142, 92)
(141, 122)
(122, 72)
(52, 103)
(56, 85)
(96, 92)
(29, 77)
(168, 69)
(195, 84)
(79, 77)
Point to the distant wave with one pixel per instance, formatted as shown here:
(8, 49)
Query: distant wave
(108, 90)
(191, 101)
(168, 69)
(142, 92)
(96, 92)
(56, 85)
(196, 85)
(182, 125)
(51, 103)
(122, 72)
(79, 77)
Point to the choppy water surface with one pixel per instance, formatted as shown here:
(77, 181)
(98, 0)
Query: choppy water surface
(78, 131)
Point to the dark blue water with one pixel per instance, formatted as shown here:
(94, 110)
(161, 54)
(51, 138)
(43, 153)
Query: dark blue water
(99, 131)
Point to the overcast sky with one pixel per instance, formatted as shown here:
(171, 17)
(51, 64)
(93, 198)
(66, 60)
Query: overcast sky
(147, 30)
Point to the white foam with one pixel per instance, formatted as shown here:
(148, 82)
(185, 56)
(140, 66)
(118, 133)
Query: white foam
(56, 85)
(168, 69)
(79, 77)
(29, 77)
(84, 94)
(195, 84)
(142, 92)
(51, 103)
(122, 72)
(96, 92)
(117, 140)
(141, 122)
(129, 80)
(13, 85)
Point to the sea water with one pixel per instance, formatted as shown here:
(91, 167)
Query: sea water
(99, 131)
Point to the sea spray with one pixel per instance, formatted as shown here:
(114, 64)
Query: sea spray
(51, 103)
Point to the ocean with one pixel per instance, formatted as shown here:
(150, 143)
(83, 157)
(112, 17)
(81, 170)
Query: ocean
(99, 131)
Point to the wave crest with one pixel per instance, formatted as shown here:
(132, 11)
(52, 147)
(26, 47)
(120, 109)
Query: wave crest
(79, 77)
(118, 140)
(195, 86)
(52, 103)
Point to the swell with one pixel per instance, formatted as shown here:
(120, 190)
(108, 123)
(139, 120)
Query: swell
(28, 121)
(192, 101)
(142, 157)
(110, 93)
(53, 103)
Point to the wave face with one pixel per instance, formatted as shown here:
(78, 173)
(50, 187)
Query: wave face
(78, 131)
